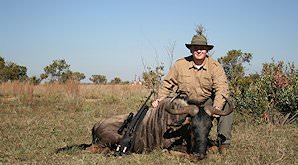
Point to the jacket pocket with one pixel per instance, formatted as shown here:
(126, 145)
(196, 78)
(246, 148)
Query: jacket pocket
(185, 82)
(206, 84)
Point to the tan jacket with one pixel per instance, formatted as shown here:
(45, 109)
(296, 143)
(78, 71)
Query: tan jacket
(198, 83)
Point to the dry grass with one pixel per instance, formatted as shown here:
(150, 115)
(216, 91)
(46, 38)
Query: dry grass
(57, 115)
(17, 90)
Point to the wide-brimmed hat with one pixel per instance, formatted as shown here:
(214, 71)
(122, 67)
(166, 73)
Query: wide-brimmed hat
(199, 40)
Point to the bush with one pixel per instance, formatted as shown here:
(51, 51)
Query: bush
(153, 78)
(272, 95)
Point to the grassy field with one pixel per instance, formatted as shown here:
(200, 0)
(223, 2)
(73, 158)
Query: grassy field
(37, 120)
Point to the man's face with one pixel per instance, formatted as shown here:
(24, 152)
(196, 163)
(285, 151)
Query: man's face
(199, 52)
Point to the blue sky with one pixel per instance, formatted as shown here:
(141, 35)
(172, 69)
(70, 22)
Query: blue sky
(118, 38)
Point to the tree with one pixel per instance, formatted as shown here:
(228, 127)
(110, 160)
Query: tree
(234, 69)
(67, 75)
(2, 63)
(34, 80)
(98, 79)
(12, 71)
(15, 72)
(43, 76)
(57, 71)
(77, 76)
(116, 80)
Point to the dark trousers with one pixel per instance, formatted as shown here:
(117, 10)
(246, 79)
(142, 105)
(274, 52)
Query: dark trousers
(224, 125)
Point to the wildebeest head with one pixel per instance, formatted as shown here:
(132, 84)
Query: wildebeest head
(201, 123)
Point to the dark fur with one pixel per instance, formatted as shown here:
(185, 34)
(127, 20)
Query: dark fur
(201, 125)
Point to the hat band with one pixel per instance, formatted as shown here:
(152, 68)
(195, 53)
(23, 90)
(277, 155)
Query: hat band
(199, 43)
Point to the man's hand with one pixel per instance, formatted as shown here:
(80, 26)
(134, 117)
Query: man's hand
(156, 102)
(216, 109)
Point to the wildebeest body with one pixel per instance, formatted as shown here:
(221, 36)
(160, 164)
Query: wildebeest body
(155, 131)
(148, 136)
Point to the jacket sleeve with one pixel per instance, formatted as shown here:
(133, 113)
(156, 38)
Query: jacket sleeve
(220, 85)
(169, 83)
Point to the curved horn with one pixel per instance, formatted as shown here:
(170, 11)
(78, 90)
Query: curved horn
(212, 111)
(192, 110)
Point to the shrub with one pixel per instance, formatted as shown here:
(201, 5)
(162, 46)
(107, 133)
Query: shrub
(272, 95)
(153, 78)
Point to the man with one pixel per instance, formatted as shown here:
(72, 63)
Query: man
(203, 79)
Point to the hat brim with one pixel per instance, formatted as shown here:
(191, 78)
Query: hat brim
(207, 47)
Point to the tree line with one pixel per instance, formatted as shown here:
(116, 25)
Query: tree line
(57, 71)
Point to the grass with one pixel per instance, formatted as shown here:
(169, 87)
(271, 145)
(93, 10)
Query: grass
(57, 115)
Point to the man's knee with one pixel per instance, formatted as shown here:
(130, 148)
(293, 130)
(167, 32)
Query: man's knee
(225, 128)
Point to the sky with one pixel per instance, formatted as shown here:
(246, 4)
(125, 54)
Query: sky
(122, 38)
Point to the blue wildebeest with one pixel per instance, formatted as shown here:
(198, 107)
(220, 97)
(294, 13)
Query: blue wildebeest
(172, 124)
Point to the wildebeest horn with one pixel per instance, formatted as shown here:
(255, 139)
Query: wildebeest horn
(212, 111)
(192, 110)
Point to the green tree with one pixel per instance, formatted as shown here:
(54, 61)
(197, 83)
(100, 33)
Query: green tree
(67, 75)
(34, 80)
(57, 71)
(98, 79)
(233, 64)
(116, 80)
(125, 82)
(43, 76)
(78, 76)
(2, 63)
(12, 71)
